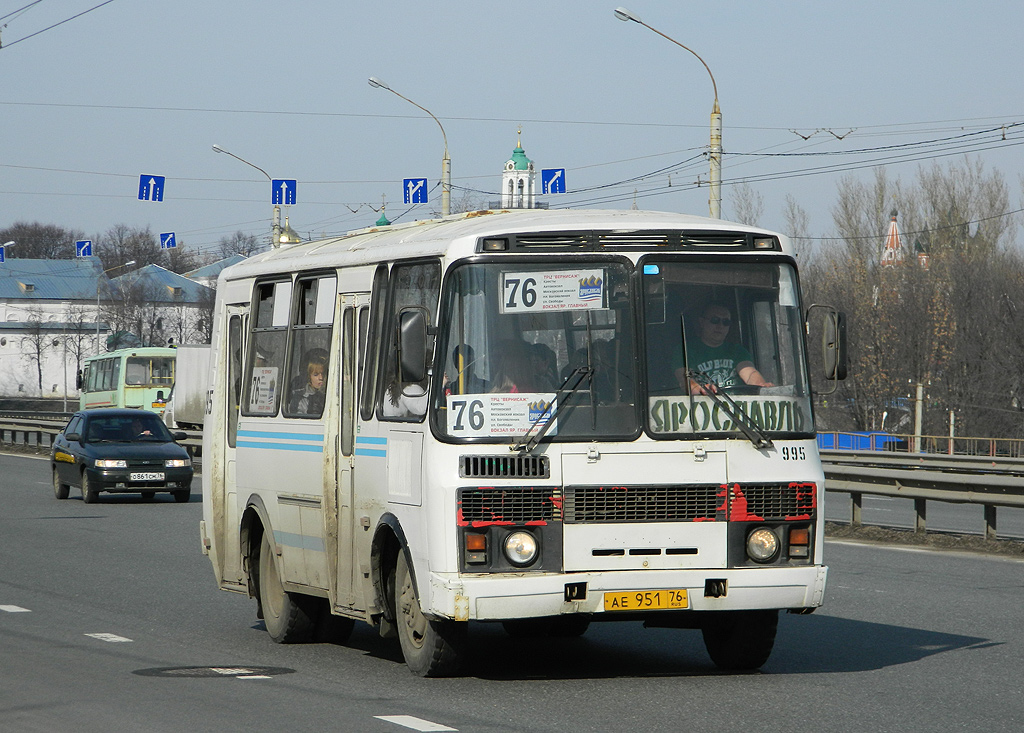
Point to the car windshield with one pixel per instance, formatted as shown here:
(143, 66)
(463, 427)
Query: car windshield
(141, 428)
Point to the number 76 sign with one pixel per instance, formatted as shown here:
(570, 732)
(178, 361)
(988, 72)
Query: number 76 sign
(552, 290)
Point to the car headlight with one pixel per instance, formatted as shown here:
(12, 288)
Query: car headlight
(111, 463)
(177, 463)
(521, 548)
(762, 545)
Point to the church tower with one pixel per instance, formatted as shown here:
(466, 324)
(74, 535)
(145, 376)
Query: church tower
(519, 180)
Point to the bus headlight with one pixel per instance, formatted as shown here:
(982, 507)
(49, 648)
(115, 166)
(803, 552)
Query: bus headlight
(762, 545)
(110, 463)
(521, 548)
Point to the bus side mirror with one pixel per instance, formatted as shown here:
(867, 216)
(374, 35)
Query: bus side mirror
(833, 345)
(78, 380)
(412, 345)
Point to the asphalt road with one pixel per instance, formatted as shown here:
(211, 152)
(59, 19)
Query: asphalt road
(110, 620)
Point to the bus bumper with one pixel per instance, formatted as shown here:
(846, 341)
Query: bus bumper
(497, 597)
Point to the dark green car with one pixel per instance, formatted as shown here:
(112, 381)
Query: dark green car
(120, 451)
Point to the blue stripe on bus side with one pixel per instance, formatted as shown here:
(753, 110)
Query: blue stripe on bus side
(280, 436)
(281, 446)
(290, 539)
(381, 452)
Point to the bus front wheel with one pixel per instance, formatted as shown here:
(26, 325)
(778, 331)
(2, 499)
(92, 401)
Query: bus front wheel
(431, 648)
(741, 640)
(286, 615)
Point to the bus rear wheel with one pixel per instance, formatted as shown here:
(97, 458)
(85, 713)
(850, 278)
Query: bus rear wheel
(286, 615)
(431, 648)
(741, 640)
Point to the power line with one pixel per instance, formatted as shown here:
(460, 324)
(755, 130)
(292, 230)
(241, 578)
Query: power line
(78, 15)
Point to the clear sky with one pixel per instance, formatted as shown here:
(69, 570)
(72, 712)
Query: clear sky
(142, 87)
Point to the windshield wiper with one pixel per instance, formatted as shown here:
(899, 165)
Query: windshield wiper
(569, 387)
(743, 421)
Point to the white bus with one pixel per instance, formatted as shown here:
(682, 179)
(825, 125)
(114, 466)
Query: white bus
(510, 417)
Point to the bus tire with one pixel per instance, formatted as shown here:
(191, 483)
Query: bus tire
(431, 648)
(60, 490)
(286, 615)
(89, 494)
(741, 640)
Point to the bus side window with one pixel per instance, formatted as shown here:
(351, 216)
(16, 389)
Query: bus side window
(234, 376)
(414, 285)
(309, 346)
(371, 354)
(262, 393)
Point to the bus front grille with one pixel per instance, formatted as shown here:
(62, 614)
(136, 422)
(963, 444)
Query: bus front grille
(518, 466)
(681, 503)
(513, 505)
(690, 503)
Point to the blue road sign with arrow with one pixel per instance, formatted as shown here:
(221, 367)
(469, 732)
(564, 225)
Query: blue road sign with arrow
(552, 180)
(151, 188)
(83, 248)
(2, 256)
(167, 241)
(282, 191)
(415, 190)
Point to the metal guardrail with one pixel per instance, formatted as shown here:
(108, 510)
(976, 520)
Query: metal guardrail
(989, 481)
(39, 432)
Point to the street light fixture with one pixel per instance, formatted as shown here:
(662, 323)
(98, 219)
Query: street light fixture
(276, 220)
(446, 162)
(129, 263)
(715, 152)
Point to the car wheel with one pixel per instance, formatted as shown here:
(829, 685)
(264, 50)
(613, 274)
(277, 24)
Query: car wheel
(148, 495)
(60, 490)
(89, 494)
(431, 648)
(289, 617)
(182, 496)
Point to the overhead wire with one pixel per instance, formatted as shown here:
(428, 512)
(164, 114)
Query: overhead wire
(51, 27)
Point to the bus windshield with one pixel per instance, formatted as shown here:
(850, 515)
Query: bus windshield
(149, 371)
(514, 334)
(715, 329)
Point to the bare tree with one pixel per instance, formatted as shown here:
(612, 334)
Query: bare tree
(36, 343)
(747, 204)
(797, 225)
(41, 241)
(239, 243)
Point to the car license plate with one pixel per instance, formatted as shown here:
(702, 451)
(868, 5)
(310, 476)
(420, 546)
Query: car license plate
(147, 476)
(645, 600)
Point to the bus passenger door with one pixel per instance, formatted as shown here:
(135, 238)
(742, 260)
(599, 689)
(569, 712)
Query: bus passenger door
(237, 326)
(354, 317)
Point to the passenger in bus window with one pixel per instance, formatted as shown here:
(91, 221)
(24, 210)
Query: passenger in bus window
(466, 381)
(545, 367)
(727, 363)
(514, 370)
(309, 398)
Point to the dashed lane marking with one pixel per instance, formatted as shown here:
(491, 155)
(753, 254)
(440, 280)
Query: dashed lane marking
(409, 721)
(15, 609)
(108, 637)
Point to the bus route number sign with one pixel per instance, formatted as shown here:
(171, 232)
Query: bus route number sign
(262, 391)
(553, 290)
(492, 415)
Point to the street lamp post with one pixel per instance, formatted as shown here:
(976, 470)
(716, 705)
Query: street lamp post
(129, 263)
(446, 162)
(715, 152)
(5, 245)
(276, 220)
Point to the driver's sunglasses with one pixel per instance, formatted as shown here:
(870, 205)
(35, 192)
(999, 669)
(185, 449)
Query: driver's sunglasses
(715, 321)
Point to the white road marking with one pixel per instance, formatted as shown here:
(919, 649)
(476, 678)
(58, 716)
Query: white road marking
(408, 721)
(108, 637)
(14, 609)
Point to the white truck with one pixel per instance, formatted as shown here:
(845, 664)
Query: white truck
(186, 406)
